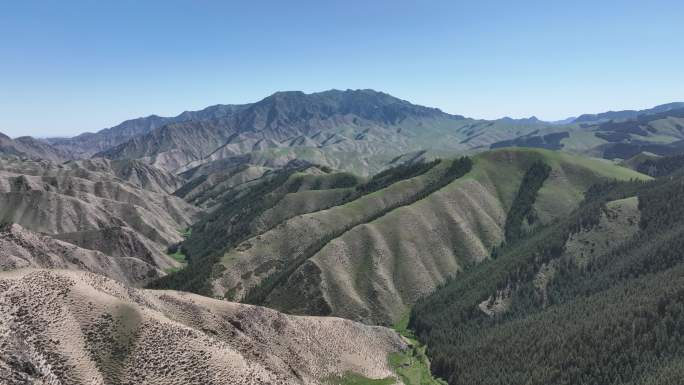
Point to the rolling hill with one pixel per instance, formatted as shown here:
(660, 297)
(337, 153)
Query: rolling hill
(595, 297)
(309, 242)
(626, 114)
(115, 216)
(354, 204)
(613, 135)
(59, 326)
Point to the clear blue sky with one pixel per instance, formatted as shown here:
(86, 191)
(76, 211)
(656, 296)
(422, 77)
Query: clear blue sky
(73, 66)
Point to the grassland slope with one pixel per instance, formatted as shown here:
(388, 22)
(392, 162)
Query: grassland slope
(372, 257)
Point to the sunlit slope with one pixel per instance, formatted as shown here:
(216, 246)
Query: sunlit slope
(59, 326)
(371, 258)
(116, 215)
(609, 274)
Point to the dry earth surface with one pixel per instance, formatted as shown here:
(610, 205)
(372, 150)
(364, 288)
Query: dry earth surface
(20, 248)
(70, 327)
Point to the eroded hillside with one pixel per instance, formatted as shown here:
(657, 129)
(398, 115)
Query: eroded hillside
(117, 216)
(74, 327)
(21, 248)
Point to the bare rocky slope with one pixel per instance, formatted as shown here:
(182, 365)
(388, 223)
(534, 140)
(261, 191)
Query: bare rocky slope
(68, 327)
(120, 242)
(117, 217)
(21, 248)
(87, 144)
(55, 199)
(132, 171)
(28, 147)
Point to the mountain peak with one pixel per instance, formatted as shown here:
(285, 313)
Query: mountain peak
(363, 103)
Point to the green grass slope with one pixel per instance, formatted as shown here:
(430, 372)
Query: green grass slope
(595, 298)
(372, 257)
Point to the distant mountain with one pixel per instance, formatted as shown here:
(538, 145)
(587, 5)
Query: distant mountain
(364, 131)
(361, 131)
(87, 144)
(28, 147)
(564, 121)
(356, 130)
(627, 114)
(613, 135)
(659, 133)
(75, 327)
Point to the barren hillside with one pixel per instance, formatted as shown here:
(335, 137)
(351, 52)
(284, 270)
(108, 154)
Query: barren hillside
(67, 327)
(21, 248)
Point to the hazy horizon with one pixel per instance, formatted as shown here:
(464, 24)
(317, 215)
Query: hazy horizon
(83, 66)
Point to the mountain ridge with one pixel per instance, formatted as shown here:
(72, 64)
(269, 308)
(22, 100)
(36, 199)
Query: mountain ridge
(362, 131)
(29, 147)
(627, 114)
(337, 241)
(326, 127)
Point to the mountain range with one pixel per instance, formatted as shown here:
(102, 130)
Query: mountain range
(345, 238)
(362, 131)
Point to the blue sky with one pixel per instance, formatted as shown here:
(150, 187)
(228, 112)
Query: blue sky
(72, 66)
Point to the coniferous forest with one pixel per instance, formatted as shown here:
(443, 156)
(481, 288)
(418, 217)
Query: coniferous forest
(616, 318)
